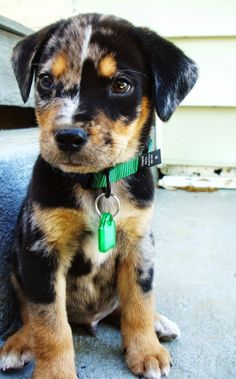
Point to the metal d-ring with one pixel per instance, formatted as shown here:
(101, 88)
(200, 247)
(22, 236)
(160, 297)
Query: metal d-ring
(104, 195)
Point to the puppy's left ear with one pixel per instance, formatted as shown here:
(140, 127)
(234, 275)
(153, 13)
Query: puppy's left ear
(25, 54)
(173, 74)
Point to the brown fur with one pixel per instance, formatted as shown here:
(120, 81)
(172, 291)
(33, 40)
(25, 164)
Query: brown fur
(143, 350)
(134, 223)
(107, 66)
(46, 117)
(46, 335)
(19, 343)
(45, 332)
(121, 134)
(60, 65)
(53, 346)
(61, 228)
(89, 125)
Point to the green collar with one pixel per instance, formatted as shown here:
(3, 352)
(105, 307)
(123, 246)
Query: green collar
(120, 171)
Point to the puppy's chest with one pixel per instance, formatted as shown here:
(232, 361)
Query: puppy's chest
(131, 223)
(89, 239)
(91, 281)
(74, 231)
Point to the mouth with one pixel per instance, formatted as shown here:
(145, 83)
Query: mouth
(77, 167)
(83, 163)
(71, 160)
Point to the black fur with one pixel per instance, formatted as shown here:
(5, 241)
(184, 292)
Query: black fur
(80, 265)
(25, 56)
(173, 73)
(38, 273)
(118, 105)
(160, 76)
(145, 279)
(50, 187)
(155, 68)
(79, 91)
(34, 269)
(141, 187)
(56, 188)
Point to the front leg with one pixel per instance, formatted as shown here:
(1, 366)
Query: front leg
(145, 355)
(44, 286)
(48, 248)
(52, 337)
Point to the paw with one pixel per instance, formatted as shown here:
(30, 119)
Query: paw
(13, 359)
(55, 368)
(54, 373)
(166, 329)
(16, 351)
(150, 361)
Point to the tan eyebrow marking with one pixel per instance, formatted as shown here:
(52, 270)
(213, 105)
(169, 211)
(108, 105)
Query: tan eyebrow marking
(107, 66)
(59, 65)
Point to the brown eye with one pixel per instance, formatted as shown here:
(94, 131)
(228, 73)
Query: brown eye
(121, 86)
(46, 82)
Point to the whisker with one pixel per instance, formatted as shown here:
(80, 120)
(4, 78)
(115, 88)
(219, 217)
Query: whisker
(79, 112)
(37, 64)
(122, 144)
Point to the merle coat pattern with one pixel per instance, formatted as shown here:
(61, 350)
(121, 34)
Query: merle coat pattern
(98, 81)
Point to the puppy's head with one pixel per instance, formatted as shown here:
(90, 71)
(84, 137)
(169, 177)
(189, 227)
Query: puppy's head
(97, 82)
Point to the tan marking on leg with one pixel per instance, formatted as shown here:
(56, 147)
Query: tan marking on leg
(133, 220)
(166, 329)
(144, 354)
(59, 65)
(17, 350)
(52, 337)
(62, 228)
(107, 66)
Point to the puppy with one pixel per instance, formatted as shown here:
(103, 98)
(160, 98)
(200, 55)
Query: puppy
(98, 80)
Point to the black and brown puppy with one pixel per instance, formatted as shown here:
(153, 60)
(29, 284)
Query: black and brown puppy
(97, 81)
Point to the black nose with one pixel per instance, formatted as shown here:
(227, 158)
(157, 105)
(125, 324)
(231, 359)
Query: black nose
(70, 140)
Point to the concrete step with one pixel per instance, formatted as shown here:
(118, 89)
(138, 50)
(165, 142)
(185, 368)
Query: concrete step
(18, 151)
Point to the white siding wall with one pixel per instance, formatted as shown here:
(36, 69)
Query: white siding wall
(169, 17)
(203, 130)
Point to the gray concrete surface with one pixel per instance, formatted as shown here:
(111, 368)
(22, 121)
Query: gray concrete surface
(18, 151)
(195, 286)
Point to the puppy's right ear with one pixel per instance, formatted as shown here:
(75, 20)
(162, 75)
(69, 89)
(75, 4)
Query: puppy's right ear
(173, 74)
(25, 54)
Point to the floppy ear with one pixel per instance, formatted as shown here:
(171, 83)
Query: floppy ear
(173, 73)
(25, 54)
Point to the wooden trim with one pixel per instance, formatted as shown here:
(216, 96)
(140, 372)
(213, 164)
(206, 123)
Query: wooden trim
(14, 27)
(199, 36)
(197, 178)
(191, 184)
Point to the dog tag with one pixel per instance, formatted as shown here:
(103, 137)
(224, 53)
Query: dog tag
(106, 233)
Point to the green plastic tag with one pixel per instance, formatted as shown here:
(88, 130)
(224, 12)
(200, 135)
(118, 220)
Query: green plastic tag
(106, 233)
